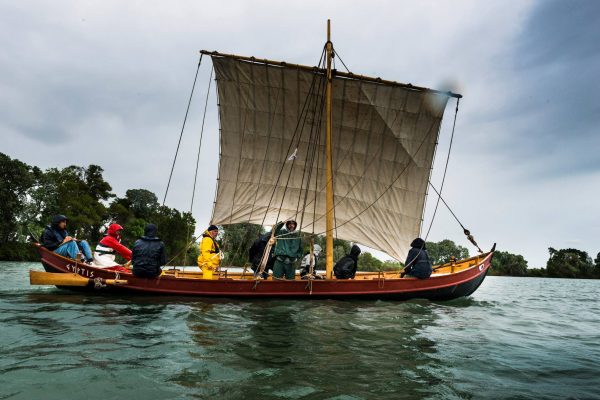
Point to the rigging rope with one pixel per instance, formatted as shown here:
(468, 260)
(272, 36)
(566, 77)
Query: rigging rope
(342, 61)
(185, 249)
(344, 158)
(182, 128)
(445, 170)
(201, 135)
(300, 119)
(291, 142)
(465, 230)
(198, 162)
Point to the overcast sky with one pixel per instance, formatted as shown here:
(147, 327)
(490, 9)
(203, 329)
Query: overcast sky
(107, 83)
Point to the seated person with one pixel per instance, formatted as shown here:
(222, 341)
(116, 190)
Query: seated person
(305, 263)
(57, 239)
(256, 252)
(148, 254)
(104, 255)
(417, 263)
(346, 267)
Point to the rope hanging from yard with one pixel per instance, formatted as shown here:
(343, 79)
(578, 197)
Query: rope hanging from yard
(182, 129)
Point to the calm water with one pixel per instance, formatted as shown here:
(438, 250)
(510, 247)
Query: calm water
(514, 338)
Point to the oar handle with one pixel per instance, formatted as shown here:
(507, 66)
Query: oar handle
(69, 279)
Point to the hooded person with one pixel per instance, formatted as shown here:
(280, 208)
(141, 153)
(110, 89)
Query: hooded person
(210, 253)
(346, 266)
(305, 264)
(56, 238)
(109, 246)
(148, 254)
(256, 252)
(288, 249)
(418, 264)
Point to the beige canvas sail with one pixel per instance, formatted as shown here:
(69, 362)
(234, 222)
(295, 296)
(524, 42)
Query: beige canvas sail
(384, 138)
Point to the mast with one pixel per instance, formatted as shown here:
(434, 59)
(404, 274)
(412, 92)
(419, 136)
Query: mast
(329, 167)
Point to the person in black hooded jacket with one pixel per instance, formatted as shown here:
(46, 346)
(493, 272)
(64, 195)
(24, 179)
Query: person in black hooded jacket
(417, 263)
(346, 267)
(255, 254)
(148, 254)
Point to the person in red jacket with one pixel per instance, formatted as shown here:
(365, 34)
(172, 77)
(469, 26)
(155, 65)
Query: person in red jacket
(104, 255)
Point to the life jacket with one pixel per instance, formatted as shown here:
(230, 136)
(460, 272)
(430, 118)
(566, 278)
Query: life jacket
(104, 256)
(209, 252)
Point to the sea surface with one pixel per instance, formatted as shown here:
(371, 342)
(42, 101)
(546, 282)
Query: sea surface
(515, 338)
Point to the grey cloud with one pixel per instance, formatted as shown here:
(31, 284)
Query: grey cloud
(552, 117)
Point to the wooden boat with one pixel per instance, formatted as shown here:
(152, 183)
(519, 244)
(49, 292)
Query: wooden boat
(449, 281)
(343, 154)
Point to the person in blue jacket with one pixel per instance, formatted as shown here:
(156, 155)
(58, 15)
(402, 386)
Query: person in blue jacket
(418, 264)
(57, 239)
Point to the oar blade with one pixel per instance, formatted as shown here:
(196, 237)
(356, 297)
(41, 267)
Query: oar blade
(56, 279)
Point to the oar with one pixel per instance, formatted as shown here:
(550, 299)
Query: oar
(67, 279)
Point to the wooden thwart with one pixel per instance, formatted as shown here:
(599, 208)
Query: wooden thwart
(67, 279)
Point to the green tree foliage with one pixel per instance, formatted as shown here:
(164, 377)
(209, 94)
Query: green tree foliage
(441, 252)
(367, 262)
(505, 263)
(16, 181)
(537, 272)
(139, 208)
(77, 192)
(569, 263)
(236, 241)
(391, 265)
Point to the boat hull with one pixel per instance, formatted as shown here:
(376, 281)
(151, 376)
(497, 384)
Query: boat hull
(438, 287)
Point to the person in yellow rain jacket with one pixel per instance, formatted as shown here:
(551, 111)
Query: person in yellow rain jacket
(210, 254)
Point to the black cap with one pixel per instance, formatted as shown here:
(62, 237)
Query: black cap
(57, 219)
(212, 228)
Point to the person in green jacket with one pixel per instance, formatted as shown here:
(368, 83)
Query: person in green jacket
(288, 250)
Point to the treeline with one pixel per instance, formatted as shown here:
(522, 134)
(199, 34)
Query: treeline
(564, 263)
(29, 197)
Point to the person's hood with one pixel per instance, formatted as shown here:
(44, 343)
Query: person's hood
(113, 229)
(150, 231)
(291, 221)
(58, 219)
(418, 243)
(317, 250)
(355, 252)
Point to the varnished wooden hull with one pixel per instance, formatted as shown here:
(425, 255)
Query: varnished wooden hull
(445, 286)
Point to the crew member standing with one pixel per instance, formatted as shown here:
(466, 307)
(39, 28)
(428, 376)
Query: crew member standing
(210, 253)
(288, 249)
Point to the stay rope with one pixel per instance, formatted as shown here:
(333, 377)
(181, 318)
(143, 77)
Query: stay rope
(445, 170)
(184, 251)
(182, 129)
